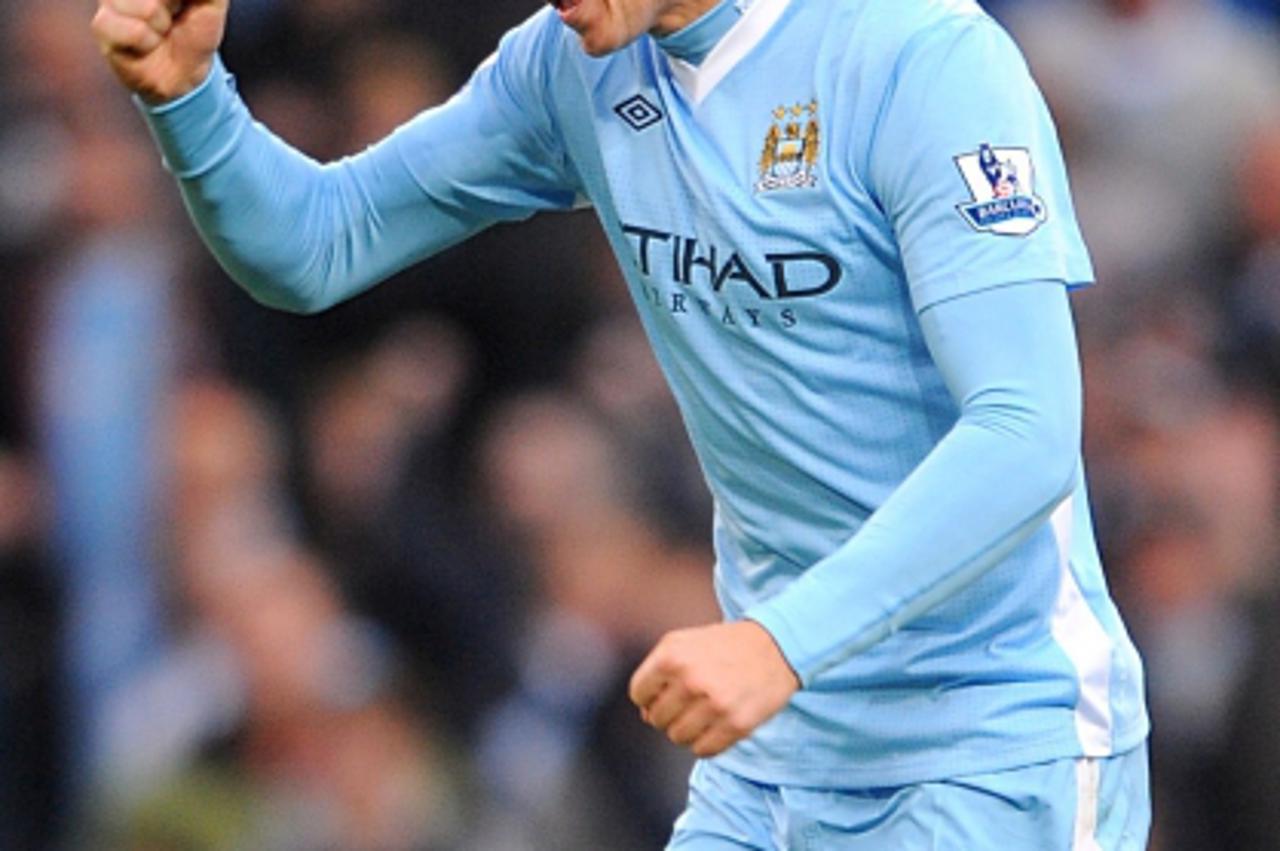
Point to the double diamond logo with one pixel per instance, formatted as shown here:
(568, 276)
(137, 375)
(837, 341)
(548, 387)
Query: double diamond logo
(638, 112)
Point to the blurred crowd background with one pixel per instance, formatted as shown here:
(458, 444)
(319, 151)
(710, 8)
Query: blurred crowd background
(375, 580)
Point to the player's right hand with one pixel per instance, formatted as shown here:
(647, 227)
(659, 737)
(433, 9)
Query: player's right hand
(160, 49)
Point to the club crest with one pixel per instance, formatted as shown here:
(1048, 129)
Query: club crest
(1002, 183)
(790, 156)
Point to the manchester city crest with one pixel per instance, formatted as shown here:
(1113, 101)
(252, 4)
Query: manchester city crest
(790, 156)
(1004, 200)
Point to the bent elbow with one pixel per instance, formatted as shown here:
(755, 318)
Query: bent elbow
(291, 302)
(290, 298)
(1054, 446)
(1039, 442)
(1061, 476)
(298, 307)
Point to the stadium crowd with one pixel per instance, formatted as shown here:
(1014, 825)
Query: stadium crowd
(375, 580)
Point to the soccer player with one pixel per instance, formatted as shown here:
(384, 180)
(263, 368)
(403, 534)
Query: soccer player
(847, 230)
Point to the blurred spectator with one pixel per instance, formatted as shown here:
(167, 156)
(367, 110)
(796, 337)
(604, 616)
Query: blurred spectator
(102, 351)
(31, 718)
(1196, 563)
(103, 358)
(608, 586)
(275, 711)
(617, 375)
(411, 550)
(323, 755)
(386, 79)
(227, 516)
(1266, 8)
(1254, 304)
(1152, 127)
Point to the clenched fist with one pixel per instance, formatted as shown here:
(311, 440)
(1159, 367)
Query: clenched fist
(160, 49)
(710, 686)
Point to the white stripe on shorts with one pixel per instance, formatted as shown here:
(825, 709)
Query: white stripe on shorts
(1088, 779)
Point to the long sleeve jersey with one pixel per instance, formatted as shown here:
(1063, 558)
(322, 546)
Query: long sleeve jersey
(847, 229)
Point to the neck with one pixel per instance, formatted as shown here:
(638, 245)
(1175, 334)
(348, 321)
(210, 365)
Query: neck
(696, 39)
(680, 14)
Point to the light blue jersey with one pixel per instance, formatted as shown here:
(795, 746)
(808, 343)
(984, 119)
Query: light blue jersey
(794, 215)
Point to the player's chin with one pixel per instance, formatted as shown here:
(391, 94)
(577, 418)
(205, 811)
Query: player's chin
(602, 40)
(597, 47)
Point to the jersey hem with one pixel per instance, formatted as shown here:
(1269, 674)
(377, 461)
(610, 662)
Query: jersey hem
(932, 767)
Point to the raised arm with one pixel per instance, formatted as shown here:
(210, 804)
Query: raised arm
(303, 236)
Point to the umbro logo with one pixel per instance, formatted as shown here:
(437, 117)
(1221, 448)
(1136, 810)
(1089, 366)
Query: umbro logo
(638, 112)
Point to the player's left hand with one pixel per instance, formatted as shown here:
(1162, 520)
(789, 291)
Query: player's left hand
(710, 686)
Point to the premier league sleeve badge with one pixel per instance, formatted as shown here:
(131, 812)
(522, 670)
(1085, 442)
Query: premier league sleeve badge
(1002, 183)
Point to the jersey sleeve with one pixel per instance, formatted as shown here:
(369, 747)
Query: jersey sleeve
(495, 148)
(965, 163)
(303, 236)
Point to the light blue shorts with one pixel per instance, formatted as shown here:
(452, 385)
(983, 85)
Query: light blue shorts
(1067, 805)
